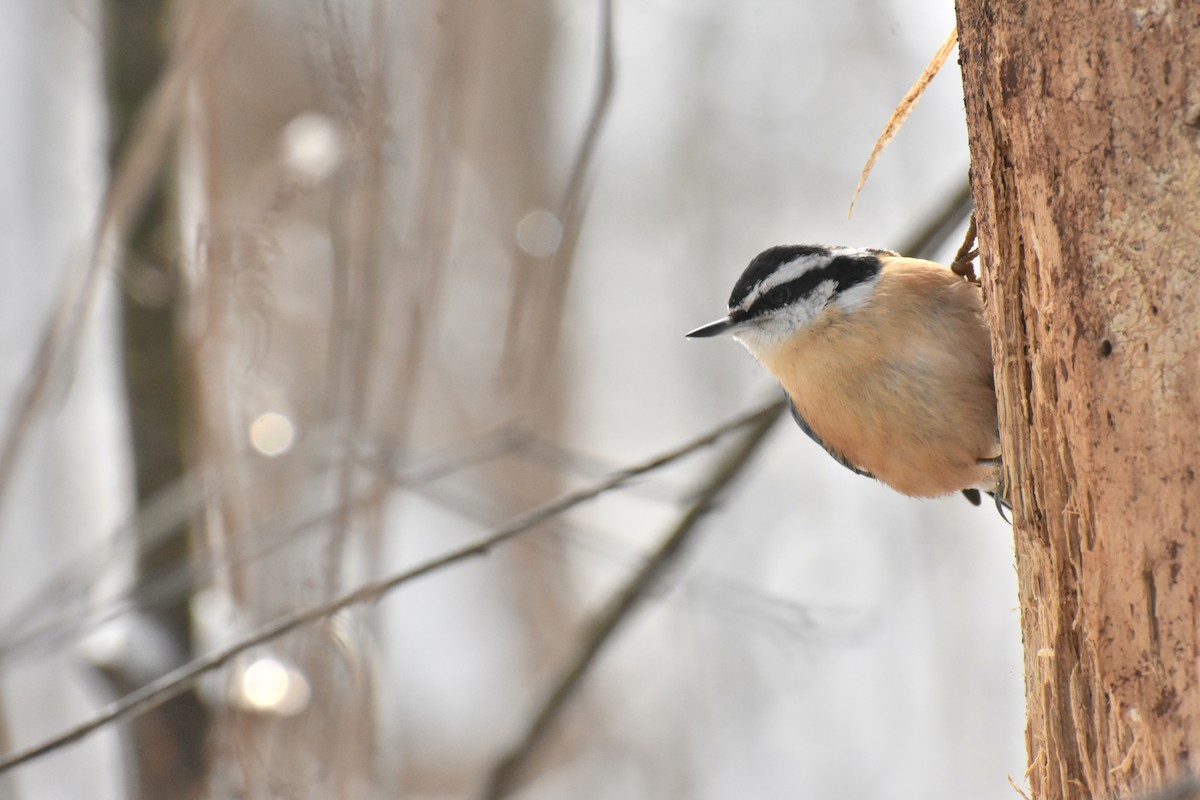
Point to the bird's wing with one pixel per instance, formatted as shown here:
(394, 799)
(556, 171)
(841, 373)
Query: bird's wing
(810, 433)
(972, 495)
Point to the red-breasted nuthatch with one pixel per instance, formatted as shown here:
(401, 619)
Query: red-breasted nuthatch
(886, 361)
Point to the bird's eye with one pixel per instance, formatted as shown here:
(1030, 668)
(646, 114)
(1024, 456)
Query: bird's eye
(782, 295)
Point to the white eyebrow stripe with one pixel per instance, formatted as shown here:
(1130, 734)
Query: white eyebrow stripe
(789, 271)
(794, 269)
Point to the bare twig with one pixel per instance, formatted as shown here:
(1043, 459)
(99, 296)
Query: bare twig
(619, 607)
(174, 683)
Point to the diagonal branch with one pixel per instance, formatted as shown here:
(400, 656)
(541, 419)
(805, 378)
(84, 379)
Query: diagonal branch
(500, 780)
(174, 683)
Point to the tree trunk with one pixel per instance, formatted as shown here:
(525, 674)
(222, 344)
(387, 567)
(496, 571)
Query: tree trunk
(1084, 123)
(168, 744)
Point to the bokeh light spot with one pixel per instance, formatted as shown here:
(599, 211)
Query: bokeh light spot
(272, 434)
(312, 147)
(539, 233)
(267, 684)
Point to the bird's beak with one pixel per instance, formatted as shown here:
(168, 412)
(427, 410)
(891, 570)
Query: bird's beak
(723, 325)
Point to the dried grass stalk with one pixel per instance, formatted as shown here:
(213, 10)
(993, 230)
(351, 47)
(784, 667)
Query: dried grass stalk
(903, 110)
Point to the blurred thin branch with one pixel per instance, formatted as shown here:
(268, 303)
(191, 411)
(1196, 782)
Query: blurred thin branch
(27, 632)
(359, 245)
(180, 501)
(572, 203)
(570, 215)
(930, 237)
(132, 181)
(766, 614)
(619, 608)
(180, 680)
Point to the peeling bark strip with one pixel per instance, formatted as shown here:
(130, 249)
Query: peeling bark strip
(1085, 149)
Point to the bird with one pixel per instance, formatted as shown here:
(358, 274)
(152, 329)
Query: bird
(886, 362)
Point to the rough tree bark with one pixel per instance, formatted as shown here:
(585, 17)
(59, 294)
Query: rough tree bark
(1084, 124)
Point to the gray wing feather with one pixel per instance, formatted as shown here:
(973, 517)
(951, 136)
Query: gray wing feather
(810, 433)
(972, 495)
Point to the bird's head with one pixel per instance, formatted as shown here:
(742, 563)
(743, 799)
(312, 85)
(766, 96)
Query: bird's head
(786, 289)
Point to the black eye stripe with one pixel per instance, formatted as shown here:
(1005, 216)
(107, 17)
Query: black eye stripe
(766, 263)
(786, 293)
(846, 271)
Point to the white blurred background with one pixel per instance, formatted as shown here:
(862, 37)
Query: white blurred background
(394, 321)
